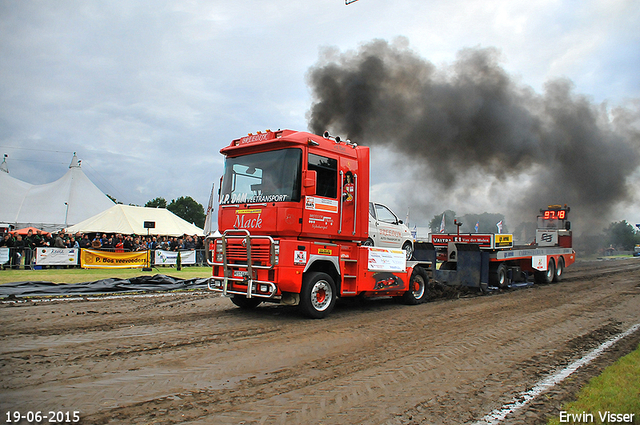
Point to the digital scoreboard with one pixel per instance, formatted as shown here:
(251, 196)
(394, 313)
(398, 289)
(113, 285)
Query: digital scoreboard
(555, 212)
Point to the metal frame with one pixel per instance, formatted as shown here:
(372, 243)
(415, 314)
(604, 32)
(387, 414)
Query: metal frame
(229, 268)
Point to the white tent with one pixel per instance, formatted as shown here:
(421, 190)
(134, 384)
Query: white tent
(51, 206)
(127, 219)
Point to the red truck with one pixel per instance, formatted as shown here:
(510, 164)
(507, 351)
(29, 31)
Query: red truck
(293, 217)
(294, 229)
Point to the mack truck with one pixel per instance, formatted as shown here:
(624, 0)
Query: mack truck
(293, 223)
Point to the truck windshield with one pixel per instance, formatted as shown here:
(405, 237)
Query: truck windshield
(262, 177)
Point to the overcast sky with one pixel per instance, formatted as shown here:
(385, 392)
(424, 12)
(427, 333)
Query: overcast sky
(148, 92)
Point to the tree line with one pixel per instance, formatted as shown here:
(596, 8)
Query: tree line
(184, 207)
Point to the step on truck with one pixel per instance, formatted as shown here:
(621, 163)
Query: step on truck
(293, 223)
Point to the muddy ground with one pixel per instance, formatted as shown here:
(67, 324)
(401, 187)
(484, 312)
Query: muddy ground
(193, 357)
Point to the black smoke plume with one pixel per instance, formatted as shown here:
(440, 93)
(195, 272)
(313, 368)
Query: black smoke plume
(473, 117)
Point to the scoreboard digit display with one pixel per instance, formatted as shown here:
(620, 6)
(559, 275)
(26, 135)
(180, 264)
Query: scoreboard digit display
(555, 215)
(554, 212)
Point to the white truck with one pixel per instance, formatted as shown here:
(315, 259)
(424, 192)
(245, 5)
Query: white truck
(387, 231)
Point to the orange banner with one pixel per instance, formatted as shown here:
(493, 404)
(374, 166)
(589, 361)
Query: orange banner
(93, 259)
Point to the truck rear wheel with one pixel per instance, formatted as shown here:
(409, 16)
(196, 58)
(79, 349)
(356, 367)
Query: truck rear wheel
(318, 295)
(418, 287)
(559, 269)
(548, 275)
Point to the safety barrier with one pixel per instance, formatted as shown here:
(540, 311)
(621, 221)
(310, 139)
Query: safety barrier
(42, 257)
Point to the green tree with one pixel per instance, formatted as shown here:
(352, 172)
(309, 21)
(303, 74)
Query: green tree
(115, 201)
(157, 203)
(622, 235)
(449, 216)
(188, 209)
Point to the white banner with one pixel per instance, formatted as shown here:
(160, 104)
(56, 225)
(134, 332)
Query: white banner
(539, 262)
(386, 259)
(170, 257)
(56, 256)
(4, 255)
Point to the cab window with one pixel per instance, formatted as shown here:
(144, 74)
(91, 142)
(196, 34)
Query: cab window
(327, 175)
(385, 215)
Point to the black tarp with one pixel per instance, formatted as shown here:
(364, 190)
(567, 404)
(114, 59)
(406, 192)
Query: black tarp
(158, 282)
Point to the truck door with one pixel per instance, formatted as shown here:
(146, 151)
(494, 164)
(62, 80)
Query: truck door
(321, 211)
(386, 224)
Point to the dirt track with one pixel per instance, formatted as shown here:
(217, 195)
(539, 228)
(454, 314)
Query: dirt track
(196, 358)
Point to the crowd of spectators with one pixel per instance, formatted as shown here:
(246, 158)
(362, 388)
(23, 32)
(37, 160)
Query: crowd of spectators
(24, 246)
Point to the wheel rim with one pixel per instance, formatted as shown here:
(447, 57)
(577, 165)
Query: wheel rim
(501, 278)
(551, 270)
(321, 295)
(559, 269)
(417, 287)
(408, 251)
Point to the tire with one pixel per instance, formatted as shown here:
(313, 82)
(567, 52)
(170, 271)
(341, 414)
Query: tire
(318, 295)
(548, 275)
(418, 288)
(368, 242)
(245, 303)
(557, 277)
(408, 249)
(498, 277)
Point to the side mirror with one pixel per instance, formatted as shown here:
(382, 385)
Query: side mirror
(310, 182)
(567, 225)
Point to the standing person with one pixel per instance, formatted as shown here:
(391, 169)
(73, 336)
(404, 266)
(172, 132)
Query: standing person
(8, 242)
(199, 249)
(58, 242)
(18, 253)
(128, 243)
(30, 246)
(38, 239)
(85, 242)
(95, 243)
(118, 243)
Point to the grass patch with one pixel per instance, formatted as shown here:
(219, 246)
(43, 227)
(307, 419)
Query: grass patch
(616, 390)
(90, 275)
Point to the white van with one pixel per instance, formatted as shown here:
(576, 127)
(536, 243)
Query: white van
(387, 231)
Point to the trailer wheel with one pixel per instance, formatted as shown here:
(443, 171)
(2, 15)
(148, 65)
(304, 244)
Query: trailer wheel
(318, 295)
(499, 276)
(245, 303)
(408, 249)
(418, 287)
(546, 276)
(557, 277)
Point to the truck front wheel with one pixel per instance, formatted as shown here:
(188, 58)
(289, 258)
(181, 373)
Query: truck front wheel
(318, 295)
(418, 287)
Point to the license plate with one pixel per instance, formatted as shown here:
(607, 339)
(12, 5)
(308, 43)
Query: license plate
(240, 273)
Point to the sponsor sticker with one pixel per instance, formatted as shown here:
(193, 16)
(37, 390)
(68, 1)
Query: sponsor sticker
(320, 204)
(299, 257)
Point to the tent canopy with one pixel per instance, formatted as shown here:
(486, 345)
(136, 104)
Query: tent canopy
(127, 220)
(25, 231)
(51, 206)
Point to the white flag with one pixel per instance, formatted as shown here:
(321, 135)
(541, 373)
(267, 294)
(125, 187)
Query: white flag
(207, 221)
(499, 225)
(442, 225)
